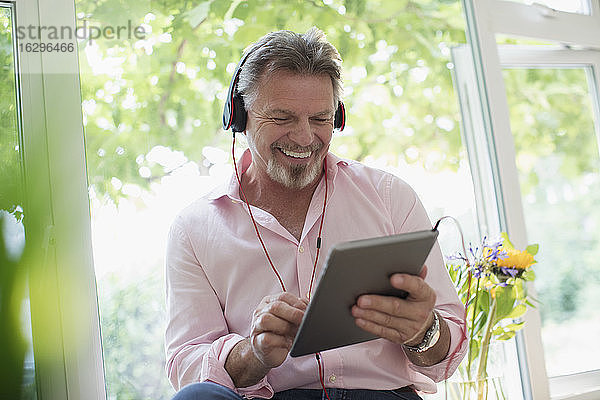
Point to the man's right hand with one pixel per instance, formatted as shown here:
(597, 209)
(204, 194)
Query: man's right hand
(274, 325)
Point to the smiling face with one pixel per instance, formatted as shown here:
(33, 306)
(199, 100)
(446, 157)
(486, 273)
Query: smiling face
(289, 128)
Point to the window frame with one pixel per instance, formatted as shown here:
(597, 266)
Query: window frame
(64, 312)
(486, 19)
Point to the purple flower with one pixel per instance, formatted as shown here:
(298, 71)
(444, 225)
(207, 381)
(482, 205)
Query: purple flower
(509, 271)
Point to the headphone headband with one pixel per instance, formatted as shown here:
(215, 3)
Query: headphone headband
(229, 110)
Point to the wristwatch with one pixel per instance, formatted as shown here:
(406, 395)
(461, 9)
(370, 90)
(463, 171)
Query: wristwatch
(430, 339)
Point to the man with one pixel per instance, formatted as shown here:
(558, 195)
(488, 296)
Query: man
(241, 261)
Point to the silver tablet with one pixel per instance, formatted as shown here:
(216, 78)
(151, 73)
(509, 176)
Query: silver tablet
(352, 269)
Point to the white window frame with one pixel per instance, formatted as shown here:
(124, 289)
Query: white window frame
(64, 310)
(492, 154)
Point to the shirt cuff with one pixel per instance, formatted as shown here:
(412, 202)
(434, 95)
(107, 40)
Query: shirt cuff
(458, 346)
(213, 369)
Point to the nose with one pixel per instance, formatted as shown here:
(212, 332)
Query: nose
(302, 134)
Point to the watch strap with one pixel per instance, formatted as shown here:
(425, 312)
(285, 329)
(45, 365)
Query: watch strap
(430, 339)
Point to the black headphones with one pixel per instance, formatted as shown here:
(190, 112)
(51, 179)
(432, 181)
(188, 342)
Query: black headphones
(234, 112)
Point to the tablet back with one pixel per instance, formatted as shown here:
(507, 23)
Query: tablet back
(352, 269)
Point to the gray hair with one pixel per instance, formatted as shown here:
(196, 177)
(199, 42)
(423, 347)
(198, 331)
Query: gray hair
(305, 54)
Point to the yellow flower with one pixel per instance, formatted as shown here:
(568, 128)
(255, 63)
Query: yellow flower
(519, 259)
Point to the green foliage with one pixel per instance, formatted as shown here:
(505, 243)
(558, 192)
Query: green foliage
(169, 89)
(132, 320)
(551, 114)
(10, 159)
(557, 156)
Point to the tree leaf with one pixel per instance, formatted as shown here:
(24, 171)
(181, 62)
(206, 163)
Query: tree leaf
(198, 14)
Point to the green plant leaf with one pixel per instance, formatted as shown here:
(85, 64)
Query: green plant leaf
(474, 346)
(530, 304)
(483, 302)
(506, 336)
(517, 312)
(528, 275)
(507, 243)
(514, 327)
(505, 298)
(532, 249)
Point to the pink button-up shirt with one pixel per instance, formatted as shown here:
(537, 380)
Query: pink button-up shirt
(217, 273)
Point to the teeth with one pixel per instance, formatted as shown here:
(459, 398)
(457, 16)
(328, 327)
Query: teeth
(294, 154)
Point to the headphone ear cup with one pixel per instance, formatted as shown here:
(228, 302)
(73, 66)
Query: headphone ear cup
(339, 121)
(238, 123)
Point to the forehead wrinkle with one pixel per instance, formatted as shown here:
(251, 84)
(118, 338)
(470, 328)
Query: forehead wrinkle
(287, 86)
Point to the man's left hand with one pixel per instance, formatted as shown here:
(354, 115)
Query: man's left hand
(402, 321)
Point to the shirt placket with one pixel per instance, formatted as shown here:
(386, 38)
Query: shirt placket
(306, 251)
(304, 268)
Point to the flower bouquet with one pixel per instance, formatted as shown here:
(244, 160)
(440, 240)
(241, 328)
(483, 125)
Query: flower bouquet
(491, 282)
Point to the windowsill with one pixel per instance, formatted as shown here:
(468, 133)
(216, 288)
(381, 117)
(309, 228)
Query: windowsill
(582, 386)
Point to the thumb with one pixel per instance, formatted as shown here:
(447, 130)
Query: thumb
(423, 273)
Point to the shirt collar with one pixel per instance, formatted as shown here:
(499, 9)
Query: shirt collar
(231, 188)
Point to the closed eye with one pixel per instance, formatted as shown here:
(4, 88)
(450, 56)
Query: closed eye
(322, 120)
(280, 120)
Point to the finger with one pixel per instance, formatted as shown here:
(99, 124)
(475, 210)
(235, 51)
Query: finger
(378, 330)
(423, 273)
(284, 311)
(268, 322)
(287, 298)
(400, 308)
(417, 288)
(404, 326)
(385, 304)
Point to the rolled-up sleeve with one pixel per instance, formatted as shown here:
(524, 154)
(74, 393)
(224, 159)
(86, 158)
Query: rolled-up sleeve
(197, 339)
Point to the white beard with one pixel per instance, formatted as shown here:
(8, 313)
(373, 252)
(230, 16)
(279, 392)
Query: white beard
(293, 176)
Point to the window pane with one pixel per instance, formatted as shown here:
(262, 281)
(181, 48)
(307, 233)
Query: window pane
(152, 115)
(557, 158)
(573, 6)
(11, 195)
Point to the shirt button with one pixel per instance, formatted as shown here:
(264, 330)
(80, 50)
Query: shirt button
(300, 249)
(332, 378)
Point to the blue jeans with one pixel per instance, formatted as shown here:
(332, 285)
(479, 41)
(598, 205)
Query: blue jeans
(213, 391)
